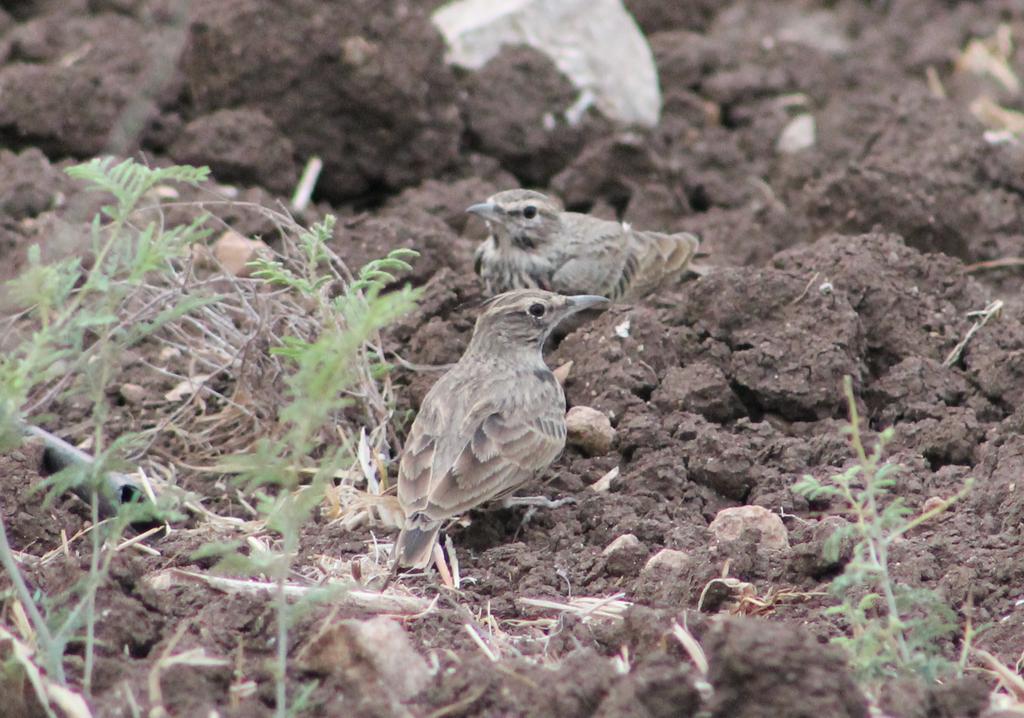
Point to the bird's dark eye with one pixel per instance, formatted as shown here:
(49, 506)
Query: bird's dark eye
(537, 310)
(529, 211)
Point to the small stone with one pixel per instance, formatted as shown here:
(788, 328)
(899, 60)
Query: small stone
(589, 430)
(730, 524)
(624, 555)
(933, 503)
(234, 251)
(132, 393)
(799, 134)
(368, 651)
(357, 50)
(666, 561)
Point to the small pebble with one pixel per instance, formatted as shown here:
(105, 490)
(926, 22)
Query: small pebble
(589, 430)
(730, 524)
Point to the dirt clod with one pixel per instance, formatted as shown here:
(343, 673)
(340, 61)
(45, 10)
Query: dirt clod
(384, 114)
(368, 651)
(764, 670)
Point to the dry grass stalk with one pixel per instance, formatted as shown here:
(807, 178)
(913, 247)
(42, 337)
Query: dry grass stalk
(196, 657)
(696, 653)
(747, 602)
(983, 317)
(692, 648)
(304, 189)
(49, 694)
(604, 484)
(1009, 679)
(1001, 263)
(479, 641)
(991, 57)
(389, 603)
(611, 607)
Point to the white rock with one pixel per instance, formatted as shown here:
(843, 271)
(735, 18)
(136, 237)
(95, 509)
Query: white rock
(667, 560)
(625, 542)
(622, 329)
(800, 134)
(589, 430)
(730, 524)
(595, 43)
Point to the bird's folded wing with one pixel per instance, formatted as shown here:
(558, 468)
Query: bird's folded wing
(659, 256)
(495, 448)
(598, 261)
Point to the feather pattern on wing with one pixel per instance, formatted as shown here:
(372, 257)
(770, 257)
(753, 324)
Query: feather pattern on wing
(573, 253)
(458, 457)
(615, 261)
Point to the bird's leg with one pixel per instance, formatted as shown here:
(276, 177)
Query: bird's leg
(532, 503)
(535, 502)
(392, 574)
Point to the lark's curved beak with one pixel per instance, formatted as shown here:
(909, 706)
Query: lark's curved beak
(485, 210)
(579, 302)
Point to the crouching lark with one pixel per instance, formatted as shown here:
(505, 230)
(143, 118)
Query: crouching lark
(535, 244)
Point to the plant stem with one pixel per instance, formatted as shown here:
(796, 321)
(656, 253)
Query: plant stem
(872, 529)
(44, 639)
(281, 708)
(92, 586)
(851, 402)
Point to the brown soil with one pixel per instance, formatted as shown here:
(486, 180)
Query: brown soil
(845, 258)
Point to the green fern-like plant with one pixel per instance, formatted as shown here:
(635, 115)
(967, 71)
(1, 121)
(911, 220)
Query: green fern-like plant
(80, 330)
(128, 181)
(895, 628)
(323, 373)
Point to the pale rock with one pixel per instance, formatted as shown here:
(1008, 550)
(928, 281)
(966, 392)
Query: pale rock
(666, 561)
(730, 524)
(132, 393)
(933, 503)
(799, 134)
(595, 43)
(376, 649)
(589, 430)
(233, 252)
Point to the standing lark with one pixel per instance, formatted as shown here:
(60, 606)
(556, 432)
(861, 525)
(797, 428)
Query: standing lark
(535, 244)
(492, 422)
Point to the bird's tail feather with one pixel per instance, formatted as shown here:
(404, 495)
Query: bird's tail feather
(662, 256)
(680, 250)
(415, 545)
